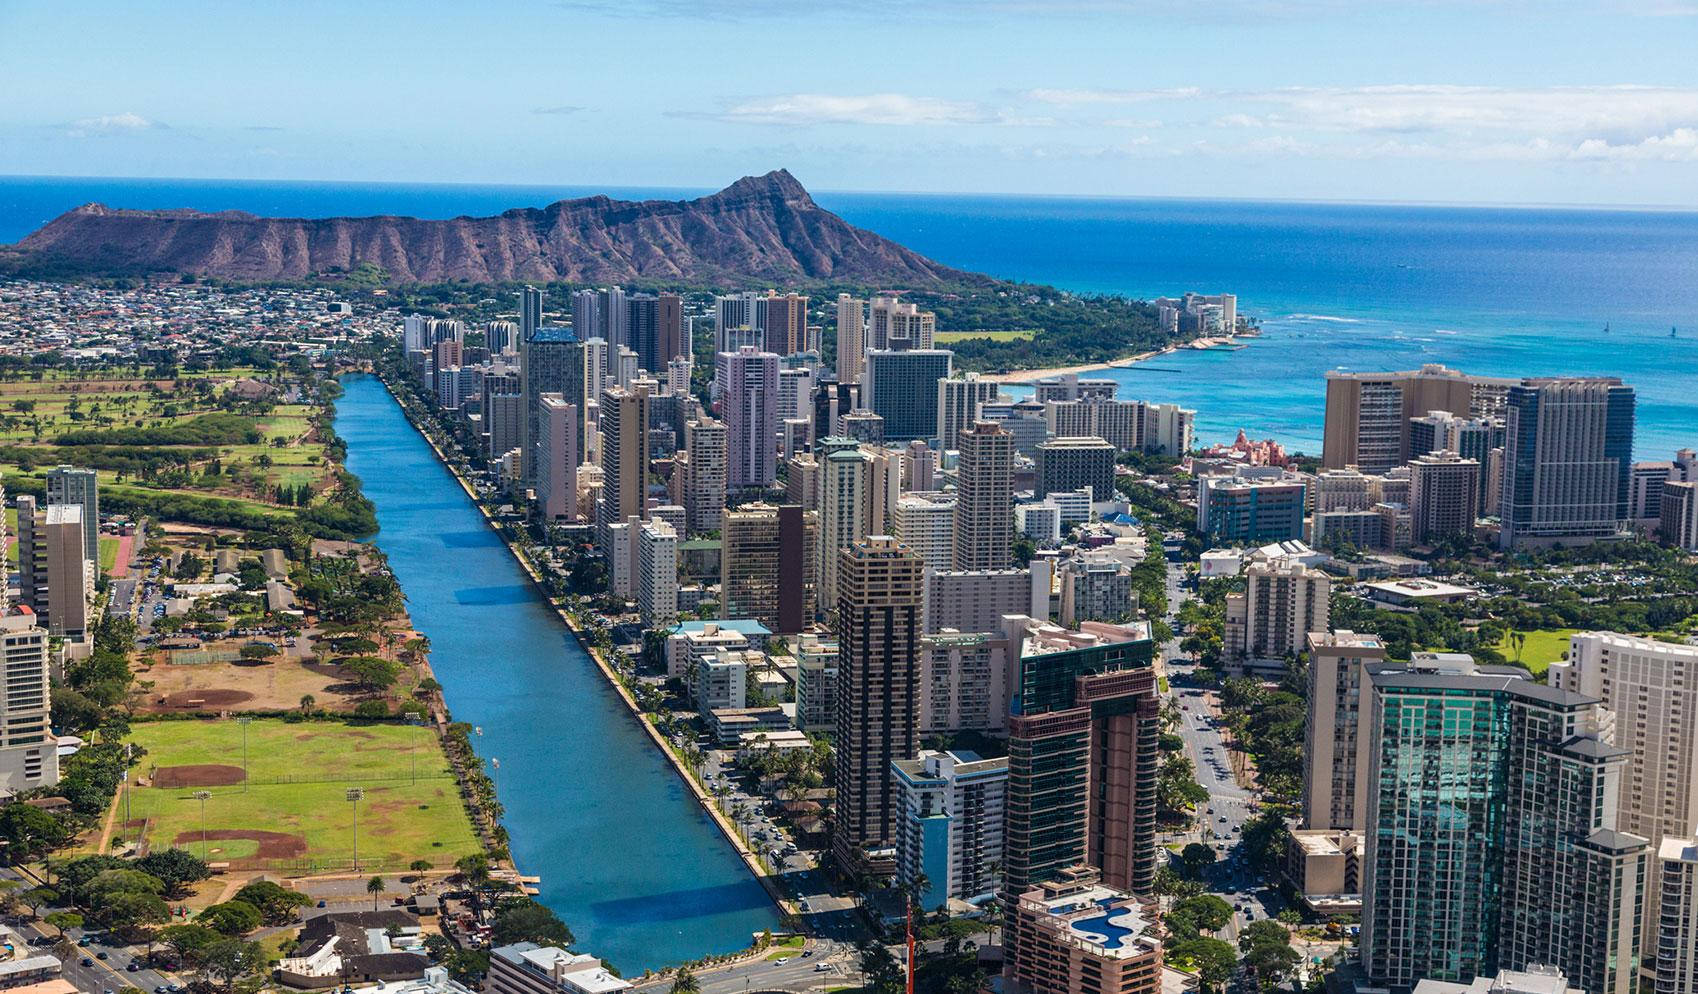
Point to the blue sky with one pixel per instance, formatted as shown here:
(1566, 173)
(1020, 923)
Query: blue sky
(1468, 100)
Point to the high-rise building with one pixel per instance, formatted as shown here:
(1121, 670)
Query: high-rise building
(557, 459)
(1077, 936)
(1568, 455)
(734, 322)
(1678, 524)
(958, 400)
(657, 575)
(748, 401)
(656, 330)
(1368, 414)
(901, 387)
(624, 456)
(55, 579)
(1675, 930)
(1490, 841)
(984, 506)
(1470, 438)
(977, 600)
(851, 339)
(783, 322)
(704, 475)
(530, 312)
(768, 566)
(1651, 689)
(1066, 464)
(503, 411)
(552, 362)
(878, 638)
(500, 337)
(1335, 748)
(29, 754)
(1082, 758)
(964, 682)
(1444, 495)
(1282, 602)
(68, 485)
(845, 474)
(1095, 589)
(951, 830)
(925, 522)
(587, 320)
(863, 426)
(1250, 510)
(895, 324)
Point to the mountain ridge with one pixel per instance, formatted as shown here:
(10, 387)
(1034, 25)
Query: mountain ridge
(758, 228)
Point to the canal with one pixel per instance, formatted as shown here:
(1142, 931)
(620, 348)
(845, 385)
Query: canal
(626, 856)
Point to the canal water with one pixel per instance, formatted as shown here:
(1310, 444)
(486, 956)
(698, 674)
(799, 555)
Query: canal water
(626, 856)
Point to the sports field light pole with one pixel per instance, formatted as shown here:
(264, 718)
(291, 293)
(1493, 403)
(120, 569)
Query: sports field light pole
(201, 796)
(245, 721)
(354, 795)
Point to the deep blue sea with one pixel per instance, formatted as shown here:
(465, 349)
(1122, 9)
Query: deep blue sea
(1503, 291)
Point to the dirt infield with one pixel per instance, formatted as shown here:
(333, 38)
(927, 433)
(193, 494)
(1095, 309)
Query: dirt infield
(203, 700)
(205, 775)
(272, 845)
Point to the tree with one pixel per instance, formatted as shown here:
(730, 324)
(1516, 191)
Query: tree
(225, 961)
(1213, 959)
(232, 918)
(275, 902)
(685, 982)
(186, 941)
(1196, 858)
(419, 866)
(374, 887)
(1205, 912)
(126, 911)
(35, 898)
(121, 881)
(524, 920)
(63, 920)
(27, 831)
(176, 867)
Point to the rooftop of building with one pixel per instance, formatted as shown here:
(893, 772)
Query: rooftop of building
(1327, 841)
(1043, 637)
(1536, 979)
(747, 627)
(1341, 638)
(1098, 919)
(1416, 587)
(582, 970)
(1674, 849)
(934, 768)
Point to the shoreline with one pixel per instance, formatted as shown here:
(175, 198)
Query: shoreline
(750, 862)
(1027, 376)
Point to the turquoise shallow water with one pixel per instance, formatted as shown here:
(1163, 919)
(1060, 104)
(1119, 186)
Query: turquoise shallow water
(1359, 286)
(626, 856)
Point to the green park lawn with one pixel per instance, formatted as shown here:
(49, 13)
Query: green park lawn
(1543, 647)
(308, 826)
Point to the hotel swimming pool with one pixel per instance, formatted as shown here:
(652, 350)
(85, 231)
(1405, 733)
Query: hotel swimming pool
(1103, 930)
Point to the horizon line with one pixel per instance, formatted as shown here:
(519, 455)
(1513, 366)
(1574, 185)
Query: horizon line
(999, 195)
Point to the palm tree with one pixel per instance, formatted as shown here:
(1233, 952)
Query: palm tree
(685, 982)
(374, 887)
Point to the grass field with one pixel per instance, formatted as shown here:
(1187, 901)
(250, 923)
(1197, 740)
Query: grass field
(282, 824)
(1543, 648)
(1015, 335)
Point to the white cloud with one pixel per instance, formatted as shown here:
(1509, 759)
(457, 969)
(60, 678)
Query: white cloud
(110, 124)
(1084, 97)
(872, 108)
(1590, 111)
(1679, 145)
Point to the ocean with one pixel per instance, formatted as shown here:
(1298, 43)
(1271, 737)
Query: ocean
(1499, 291)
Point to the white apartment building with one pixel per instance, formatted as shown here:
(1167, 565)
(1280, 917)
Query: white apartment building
(925, 523)
(657, 579)
(1282, 603)
(952, 806)
(29, 754)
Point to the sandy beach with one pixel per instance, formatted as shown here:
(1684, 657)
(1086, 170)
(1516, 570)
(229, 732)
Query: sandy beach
(1028, 375)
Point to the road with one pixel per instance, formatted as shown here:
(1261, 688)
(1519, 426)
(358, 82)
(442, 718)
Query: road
(800, 973)
(1220, 824)
(100, 975)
